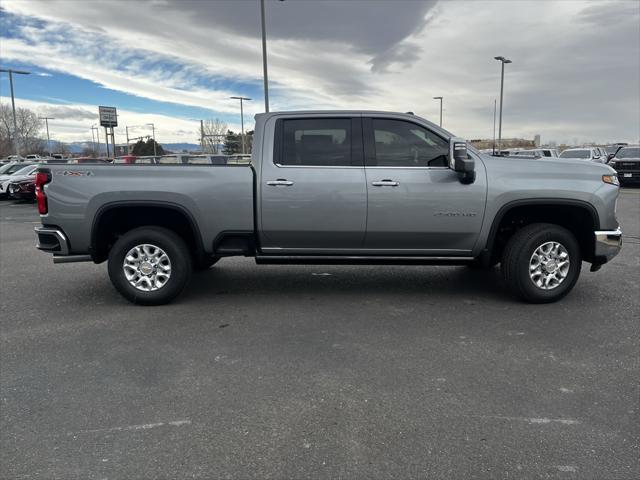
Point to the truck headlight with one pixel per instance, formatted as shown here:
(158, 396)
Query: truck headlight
(611, 180)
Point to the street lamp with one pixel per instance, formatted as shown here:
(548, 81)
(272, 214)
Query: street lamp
(46, 121)
(153, 132)
(10, 71)
(439, 98)
(264, 58)
(242, 118)
(502, 60)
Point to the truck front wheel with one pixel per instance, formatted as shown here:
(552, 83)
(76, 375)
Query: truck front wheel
(541, 262)
(150, 265)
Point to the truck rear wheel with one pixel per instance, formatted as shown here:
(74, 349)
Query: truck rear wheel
(150, 265)
(541, 263)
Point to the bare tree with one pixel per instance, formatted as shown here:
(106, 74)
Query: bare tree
(29, 131)
(213, 134)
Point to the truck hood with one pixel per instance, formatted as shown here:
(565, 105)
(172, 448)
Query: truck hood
(545, 166)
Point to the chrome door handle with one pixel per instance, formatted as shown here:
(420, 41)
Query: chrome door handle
(281, 182)
(385, 183)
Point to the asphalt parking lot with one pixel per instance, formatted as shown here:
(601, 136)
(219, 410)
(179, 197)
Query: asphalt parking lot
(316, 372)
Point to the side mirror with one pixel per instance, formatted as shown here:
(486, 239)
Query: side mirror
(459, 160)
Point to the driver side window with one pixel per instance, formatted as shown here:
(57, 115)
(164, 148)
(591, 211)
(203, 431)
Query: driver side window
(404, 144)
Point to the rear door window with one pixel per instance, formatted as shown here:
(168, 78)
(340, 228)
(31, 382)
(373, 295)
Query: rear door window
(318, 142)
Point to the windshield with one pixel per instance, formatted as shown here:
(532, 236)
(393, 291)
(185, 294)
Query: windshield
(576, 154)
(23, 171)
(629, 153)
(11, 168)
(5, 168)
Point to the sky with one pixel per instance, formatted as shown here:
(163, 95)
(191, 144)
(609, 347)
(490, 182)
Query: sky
(575, 75)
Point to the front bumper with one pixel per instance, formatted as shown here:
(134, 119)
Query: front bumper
(628, 177)
(607, 244)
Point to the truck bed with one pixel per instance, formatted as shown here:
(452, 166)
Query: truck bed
(217, 198)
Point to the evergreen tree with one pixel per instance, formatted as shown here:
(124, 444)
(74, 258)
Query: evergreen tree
(145, 149)
(232, 143)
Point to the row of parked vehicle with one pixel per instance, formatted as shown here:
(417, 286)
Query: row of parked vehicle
(18, 180)
(625, 159)
(17, 177)
(186, 159)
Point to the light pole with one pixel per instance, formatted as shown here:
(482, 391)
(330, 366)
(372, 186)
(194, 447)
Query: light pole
(494, 126)
(16, 142)
(242, 118)
(439, 98)
(264, 59)
(502, 60)
(46, 122)
(153, 132)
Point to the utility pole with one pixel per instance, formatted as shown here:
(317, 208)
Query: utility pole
(126, 130)
(202, 135)
(503, 60)
(153, 130)
(93, 140)
(242, 119)
(46, 122)
(439, 98)
(16, 142)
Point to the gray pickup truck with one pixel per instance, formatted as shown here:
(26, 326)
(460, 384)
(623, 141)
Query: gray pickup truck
(335, 187)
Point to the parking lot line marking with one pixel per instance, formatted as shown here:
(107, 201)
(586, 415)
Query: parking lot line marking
(544, 420)
(567, 468)
(146, 426)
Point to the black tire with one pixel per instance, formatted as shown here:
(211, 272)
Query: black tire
(175, 248)
(519, 251)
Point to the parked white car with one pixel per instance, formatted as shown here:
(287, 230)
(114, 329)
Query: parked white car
(537, 153)
(586, 153)
(22, 173)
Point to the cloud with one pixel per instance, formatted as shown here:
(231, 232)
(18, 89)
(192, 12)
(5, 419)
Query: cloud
(575, 72)
(64, 112)
(73, 123)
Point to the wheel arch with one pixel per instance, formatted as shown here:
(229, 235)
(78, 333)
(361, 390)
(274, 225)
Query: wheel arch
(579, 216)
(170, 215)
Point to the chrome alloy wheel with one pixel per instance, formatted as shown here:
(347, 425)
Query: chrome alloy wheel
(549, 265)
(147, 267)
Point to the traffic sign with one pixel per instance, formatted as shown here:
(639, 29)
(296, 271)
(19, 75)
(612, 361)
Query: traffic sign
(108, 116)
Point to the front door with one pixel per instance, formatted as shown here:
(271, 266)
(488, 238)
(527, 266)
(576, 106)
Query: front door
(313, 194)
(416, 204)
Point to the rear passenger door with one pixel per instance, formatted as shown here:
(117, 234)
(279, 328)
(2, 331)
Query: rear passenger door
(313, 192)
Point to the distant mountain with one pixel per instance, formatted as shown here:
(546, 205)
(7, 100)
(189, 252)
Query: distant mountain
(179, 147)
